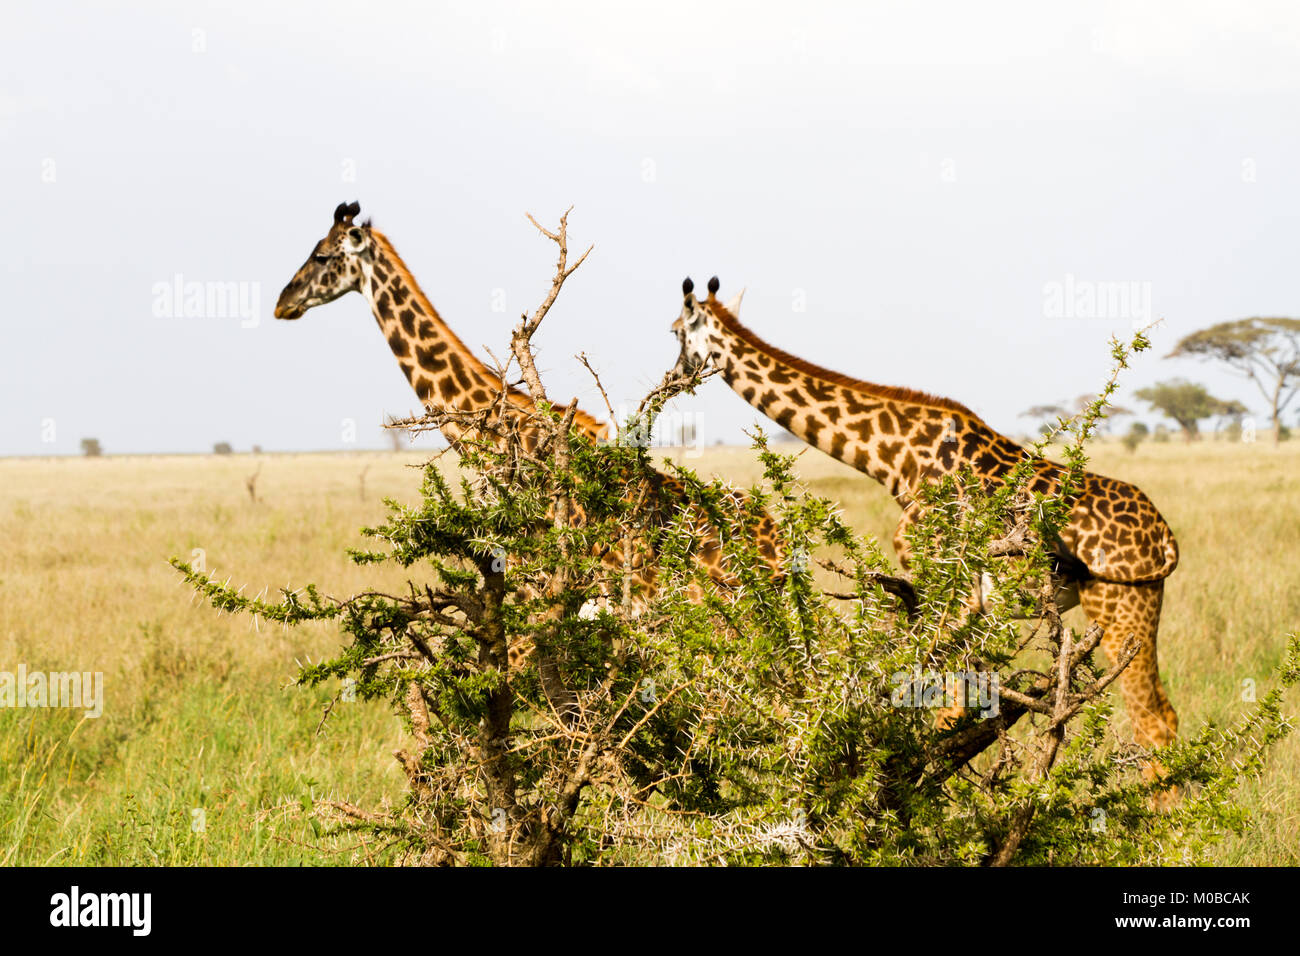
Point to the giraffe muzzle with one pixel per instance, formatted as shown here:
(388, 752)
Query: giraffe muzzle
(287, 307)
(686, 365)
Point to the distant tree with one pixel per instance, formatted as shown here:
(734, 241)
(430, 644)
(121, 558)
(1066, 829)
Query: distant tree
(1049, 415)
(257, 449)
(1265, 350)
(1081, 403)
(1137, 433)
(222, 448)
(1230, 415)
(1185, 402)
(1161, 433)
(1044, 411)
(1046, 416)
(396, 435)
(90, 447)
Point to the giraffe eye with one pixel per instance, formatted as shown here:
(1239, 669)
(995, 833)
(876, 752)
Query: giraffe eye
(321, 259)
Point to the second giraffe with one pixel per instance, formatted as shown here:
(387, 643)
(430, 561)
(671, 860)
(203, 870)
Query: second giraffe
(1116, 549)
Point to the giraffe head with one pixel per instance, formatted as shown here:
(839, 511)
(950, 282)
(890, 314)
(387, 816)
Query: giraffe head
(695, 327)
(332, 269)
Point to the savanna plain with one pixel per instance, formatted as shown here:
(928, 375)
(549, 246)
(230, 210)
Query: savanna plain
(207, 753)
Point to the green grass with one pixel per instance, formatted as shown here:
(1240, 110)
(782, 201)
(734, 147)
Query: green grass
(200, 714)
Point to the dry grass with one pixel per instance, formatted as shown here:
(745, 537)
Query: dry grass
(199, 713)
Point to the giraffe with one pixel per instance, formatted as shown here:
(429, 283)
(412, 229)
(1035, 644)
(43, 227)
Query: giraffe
(436, 363)
(1115, 550)
(445, 374)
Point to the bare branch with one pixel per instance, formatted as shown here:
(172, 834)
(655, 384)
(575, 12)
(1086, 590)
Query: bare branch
(582, 357)
(520, 339)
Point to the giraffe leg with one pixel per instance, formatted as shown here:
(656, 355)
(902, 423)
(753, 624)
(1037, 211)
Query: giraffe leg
(1134, 609)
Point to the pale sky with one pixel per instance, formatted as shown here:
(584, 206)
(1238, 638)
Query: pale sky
(900, 187)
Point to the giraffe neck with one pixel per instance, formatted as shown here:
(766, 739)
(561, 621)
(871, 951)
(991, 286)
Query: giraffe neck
(443, 372)
(897, 436)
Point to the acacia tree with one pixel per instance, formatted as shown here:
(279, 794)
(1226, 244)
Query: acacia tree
(781, 716)
(1187, 403)
(1049, 417)
(1264, 350)
(1109, 414)
(1230, 414)
(1052, 415)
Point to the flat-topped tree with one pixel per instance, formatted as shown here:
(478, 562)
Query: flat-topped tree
(1187, 403)
(1264, 350)
(1047, 416)
(1046, 413)
(1109, 414)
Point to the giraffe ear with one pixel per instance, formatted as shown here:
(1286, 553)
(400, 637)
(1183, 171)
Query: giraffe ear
(734, 305)
(356, 240)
